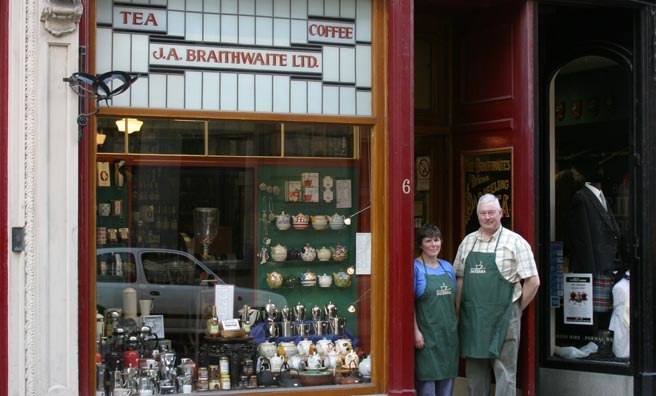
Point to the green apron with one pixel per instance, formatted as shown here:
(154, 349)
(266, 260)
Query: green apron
(485, 307)
(436, 319)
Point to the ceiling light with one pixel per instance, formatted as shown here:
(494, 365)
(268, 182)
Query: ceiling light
(132, 125)
(100, 138)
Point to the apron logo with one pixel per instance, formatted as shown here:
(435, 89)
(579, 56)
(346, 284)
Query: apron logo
(478, 269)
(444, 290)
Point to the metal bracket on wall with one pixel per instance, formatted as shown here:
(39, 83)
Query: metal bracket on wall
(18, 239)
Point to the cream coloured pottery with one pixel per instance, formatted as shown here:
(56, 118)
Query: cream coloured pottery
(325, 280)
(279, 253)
(324, 254)
(319, 222)
(267, 349)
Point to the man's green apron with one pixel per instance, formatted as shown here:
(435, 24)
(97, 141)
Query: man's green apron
(486, 305)
(436, 318)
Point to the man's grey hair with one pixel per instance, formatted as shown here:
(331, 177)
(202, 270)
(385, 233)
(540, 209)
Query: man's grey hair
(488, 198)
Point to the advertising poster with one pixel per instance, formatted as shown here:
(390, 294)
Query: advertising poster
(577, 299)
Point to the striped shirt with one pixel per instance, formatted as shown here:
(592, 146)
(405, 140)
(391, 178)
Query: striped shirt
(514, 256)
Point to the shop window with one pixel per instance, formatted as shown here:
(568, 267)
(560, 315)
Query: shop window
(275, 242)
(590, 214)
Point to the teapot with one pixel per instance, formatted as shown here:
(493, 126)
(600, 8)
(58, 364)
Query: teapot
(274, 279)
(324, 254)
(267, 349)
(299, 312)
(324, 346)
(332, 360)
(325, 280)
(314, 362)
(305, 347)
(276, 363)
(296, 362)
(287, 348)
(336, 222)
(351, 359)
(343, 346)
(342, 279)
(308, 253)
(319, 222)
(279, 253)
(308, 278)
(283, 221)
(339, 252)
(301, 221)
(365, 367)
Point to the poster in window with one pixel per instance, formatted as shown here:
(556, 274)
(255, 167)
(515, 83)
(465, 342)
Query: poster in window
(486, 171)
(577, 299)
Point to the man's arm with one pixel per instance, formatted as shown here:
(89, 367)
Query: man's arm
(529, 290)
(458, 295)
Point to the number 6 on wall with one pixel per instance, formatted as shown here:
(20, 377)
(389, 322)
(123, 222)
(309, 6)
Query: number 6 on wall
(405, 187)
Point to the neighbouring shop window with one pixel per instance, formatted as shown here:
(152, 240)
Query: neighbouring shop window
(591, 216)
(203, 225)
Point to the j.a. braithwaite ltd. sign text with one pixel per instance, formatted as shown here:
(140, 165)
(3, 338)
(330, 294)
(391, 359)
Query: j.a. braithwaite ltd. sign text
(288, 56)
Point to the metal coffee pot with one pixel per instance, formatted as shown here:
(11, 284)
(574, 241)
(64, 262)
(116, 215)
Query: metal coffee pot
(330, 311)
(270, 311)
(286, 314)
(286, 328)
(316, 313)
(338, 326)
(299, 312)
(320, 327)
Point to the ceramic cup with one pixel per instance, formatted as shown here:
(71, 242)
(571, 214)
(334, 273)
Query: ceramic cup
(145, 306)
(101, 235)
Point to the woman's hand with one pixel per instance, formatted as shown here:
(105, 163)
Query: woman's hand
(419, 339)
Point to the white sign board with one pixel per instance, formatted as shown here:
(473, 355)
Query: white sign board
(577, 299)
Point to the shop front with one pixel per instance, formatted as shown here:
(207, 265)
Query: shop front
(235, 228)
(237, 213)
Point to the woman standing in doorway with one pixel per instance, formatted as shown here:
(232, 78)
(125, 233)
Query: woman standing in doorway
(436, 324)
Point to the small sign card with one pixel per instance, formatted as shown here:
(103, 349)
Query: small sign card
(230, 324)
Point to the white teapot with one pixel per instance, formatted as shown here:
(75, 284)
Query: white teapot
(314, 361)
(267, 349)
(305, 347)
(365, 367)
(324, 254)
(325, 280)
(296, 362)
(332, 360)
(325, 346)
(276, 363)
(283, 221)
(279, 253)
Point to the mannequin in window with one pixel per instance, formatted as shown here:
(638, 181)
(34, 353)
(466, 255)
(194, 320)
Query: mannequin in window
(594, 242)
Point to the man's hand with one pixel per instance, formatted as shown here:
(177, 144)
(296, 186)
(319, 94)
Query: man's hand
(529, 290)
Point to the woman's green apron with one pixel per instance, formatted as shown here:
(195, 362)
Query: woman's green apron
(436, 318)
(485, 307)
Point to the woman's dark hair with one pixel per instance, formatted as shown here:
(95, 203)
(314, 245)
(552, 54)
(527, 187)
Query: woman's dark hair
(428, 231)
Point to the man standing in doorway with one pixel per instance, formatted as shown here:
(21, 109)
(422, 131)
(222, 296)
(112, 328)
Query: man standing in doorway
(497, 278)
